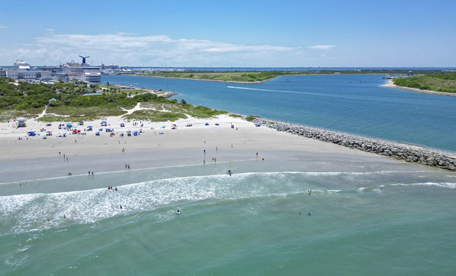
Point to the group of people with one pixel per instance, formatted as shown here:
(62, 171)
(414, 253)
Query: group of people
(90, 172)
(127, 166)
(22, 183)
(113, 189)
(64, 157)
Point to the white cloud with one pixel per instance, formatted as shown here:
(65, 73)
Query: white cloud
(322, 47)
(3, 27)
(128, 49)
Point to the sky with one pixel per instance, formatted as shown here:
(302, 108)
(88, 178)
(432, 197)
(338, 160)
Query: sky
(326, 33)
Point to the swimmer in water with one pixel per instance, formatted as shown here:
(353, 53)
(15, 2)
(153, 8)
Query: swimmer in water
(178, 212)
(309, 214)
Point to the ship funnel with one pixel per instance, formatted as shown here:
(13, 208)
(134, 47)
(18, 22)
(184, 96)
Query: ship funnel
(84, 59)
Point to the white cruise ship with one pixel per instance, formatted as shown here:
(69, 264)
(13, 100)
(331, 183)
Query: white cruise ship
(21, 65)
(86, 71)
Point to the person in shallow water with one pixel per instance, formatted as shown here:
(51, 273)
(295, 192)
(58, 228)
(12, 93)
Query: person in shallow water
(178, 212)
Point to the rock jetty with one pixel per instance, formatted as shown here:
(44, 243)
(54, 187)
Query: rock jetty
(400, 151)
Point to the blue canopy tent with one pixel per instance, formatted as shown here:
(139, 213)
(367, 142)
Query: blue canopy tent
(104, 123)
(89, 128)
(206, 124)
(217, 124)
(97, 133)
(64, 134)
(135, 133)
(163, 126)
(68, 125)
(31, 133)
(122, 125)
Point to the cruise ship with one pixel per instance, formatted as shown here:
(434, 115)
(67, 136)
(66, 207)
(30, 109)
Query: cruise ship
(86, 71)
(21, 65)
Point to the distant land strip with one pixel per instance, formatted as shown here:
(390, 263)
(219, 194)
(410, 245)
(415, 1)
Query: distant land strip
(258, 77)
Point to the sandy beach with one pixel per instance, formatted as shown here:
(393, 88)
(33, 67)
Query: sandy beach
(245, 136)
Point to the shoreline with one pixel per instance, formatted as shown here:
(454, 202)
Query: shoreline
(392, 149)
(390, 83)
(154, 139)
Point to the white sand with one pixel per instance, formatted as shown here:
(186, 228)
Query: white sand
(199, 136)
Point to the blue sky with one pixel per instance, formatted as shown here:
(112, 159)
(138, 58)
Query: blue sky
(230, 33)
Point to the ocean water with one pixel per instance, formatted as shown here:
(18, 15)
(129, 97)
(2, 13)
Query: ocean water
(351, 103)
(368, 216)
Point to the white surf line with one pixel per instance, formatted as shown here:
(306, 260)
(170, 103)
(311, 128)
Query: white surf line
(121, 171)
(198, 164)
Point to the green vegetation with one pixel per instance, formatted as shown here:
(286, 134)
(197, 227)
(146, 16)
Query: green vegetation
(163, 112)
(235, 115)
(271, 123)
(250, 118)
(443, 82)
(28, 100)
(237, 76)
(260, 76)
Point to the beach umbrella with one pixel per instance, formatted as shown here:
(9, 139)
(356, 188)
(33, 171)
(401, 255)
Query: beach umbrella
(135, 132)
(163, 126)
(68, 124)
(89, 126)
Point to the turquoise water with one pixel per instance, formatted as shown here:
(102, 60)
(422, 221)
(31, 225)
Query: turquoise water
(368, 216)
(350, 103)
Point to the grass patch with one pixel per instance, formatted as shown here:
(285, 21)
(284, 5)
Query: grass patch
(84, 113)
(235, 116)
(271, 123)
(9, 115)
(51, 118)
(154, 116)
(250, 118)
(163, 112)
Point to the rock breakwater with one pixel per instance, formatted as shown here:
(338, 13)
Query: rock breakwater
(400, 151)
